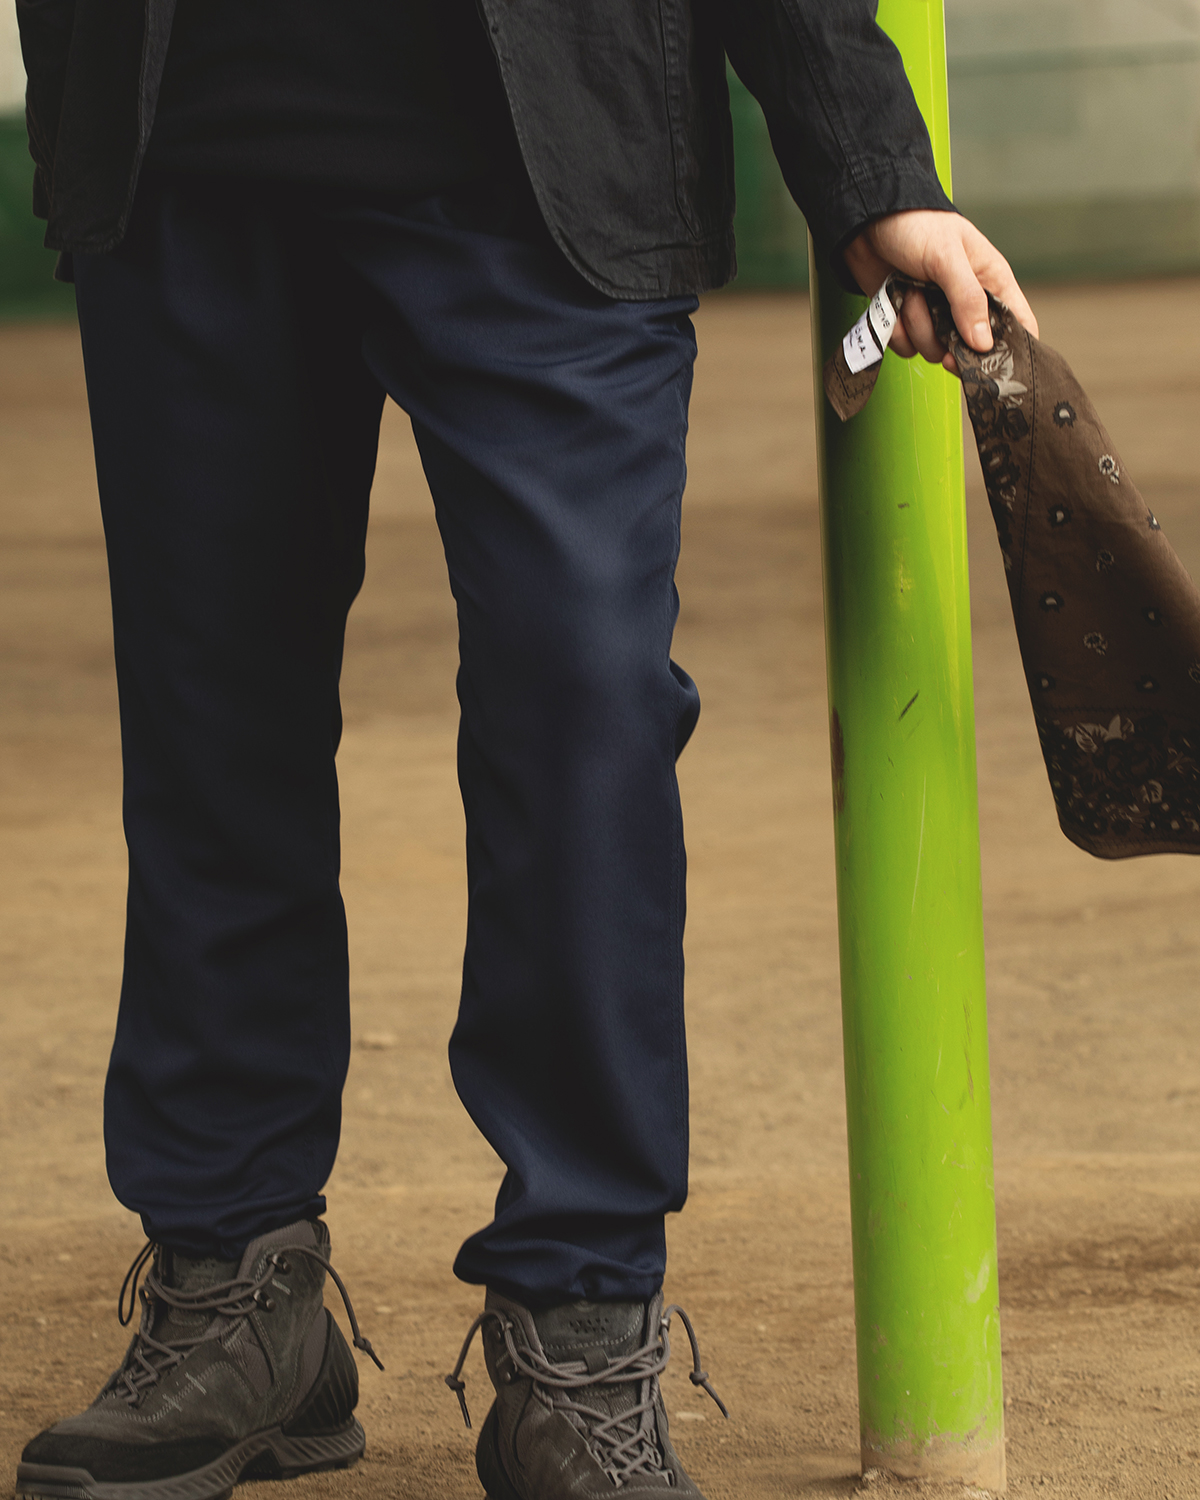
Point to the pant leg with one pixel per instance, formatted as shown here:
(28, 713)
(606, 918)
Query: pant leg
(551, 422)
(235, 429)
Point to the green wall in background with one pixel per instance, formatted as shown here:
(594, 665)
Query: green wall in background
(772, 237)
(771, 233)
(1138, 229)
(1077, 159)
(27, 287)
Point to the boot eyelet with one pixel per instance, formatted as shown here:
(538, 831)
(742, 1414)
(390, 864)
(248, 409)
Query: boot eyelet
(281, 1264)
(266, 1303)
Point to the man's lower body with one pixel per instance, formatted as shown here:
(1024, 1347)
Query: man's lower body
(239, 347)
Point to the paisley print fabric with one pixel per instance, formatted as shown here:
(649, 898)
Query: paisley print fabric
(1107, 618)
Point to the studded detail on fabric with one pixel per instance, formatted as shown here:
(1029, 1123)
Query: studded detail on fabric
(1107, 619)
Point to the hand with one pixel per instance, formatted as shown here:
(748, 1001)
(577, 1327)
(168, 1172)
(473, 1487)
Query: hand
(935, 245)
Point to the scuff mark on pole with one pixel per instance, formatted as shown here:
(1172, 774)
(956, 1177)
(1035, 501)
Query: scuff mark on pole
(837, 758)
(910, 926)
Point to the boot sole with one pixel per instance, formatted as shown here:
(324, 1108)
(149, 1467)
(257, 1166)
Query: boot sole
(263, 1455)
(496, 1483)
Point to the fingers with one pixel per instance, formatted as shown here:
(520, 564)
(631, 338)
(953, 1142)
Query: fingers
(865, 264)
(1007, 290)
(953, 272)
(918, 325)
(870, 270)
(1021, 309)
(942, 247)
(994, 272)
(901, 344)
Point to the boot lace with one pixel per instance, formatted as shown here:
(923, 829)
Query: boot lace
(149, 1358)
(624, 1444)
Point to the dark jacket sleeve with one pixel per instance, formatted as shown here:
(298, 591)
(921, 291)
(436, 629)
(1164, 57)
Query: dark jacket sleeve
(844, 124)
(46, 27)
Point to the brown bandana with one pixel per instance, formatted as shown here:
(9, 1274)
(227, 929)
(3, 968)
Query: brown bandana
(1108, 621)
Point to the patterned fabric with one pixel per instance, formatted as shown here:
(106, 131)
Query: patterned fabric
(1107, 618)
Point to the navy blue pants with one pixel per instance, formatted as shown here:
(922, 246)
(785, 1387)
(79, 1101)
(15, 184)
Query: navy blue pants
(239, 347)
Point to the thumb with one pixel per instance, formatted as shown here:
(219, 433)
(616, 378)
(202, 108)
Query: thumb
(968, 300)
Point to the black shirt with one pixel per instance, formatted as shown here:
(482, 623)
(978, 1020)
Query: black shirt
(624, 123)
(397, 96)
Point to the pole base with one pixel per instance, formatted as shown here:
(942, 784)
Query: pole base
(943, 1461)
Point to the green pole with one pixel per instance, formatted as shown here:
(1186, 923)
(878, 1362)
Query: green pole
(902, 735)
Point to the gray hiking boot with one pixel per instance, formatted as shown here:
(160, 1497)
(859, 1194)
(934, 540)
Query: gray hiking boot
(237, 1371)
(578, 1409)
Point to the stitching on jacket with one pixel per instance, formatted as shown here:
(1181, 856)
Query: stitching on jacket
(829, 107)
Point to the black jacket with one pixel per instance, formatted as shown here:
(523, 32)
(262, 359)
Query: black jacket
(620, 107)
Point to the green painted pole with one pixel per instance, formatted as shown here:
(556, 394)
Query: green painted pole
(902, 734)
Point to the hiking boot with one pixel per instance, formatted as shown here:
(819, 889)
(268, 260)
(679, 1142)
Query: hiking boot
(578, 1408)
(237, 1371)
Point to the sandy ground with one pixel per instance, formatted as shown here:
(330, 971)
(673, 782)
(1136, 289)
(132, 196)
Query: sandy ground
(1092, 967)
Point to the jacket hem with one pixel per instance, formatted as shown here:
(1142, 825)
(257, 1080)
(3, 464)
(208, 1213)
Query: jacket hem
(683, 270)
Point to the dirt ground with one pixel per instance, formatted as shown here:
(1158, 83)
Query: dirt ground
(1092, 967)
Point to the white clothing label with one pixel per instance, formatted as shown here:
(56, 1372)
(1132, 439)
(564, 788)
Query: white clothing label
(882, 315)
(863, 346)
(860, 348)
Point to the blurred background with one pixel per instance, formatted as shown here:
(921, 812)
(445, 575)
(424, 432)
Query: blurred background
(1076, 144)
(1076, 131)
(26, 288)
